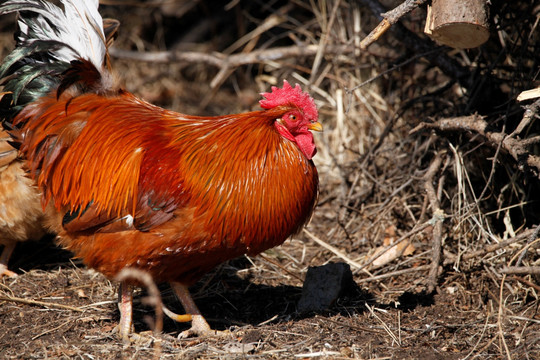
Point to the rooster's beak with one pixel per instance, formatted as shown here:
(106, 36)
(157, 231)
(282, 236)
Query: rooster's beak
(316, 126)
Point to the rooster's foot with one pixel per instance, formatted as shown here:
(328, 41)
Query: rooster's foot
(199, 327)
(4, 271)
(144, 338)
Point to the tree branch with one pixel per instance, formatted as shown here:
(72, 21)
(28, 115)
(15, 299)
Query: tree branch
(229, 61)
(390, 18)
(517, 148)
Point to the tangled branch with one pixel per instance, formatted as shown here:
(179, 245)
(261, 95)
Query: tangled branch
(518, 148)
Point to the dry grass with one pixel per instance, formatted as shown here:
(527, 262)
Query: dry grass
(387, 195)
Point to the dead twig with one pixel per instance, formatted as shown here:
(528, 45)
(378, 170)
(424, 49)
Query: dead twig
(282, 268)
(384, 325)
(39, 303)
(531, 112)
(229, 62)
(533, 270)
(526, 282)
(390, 18)
(333, 250)
(438, 215)
(491, 248)
(533, 239)
(414, 231)
(502, 308)
(323, 42)
(517, 148)
(394, 273)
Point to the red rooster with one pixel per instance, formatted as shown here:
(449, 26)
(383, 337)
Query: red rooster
(129, 184)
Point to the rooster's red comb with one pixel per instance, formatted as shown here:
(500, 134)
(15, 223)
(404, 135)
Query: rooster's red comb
(289, 95)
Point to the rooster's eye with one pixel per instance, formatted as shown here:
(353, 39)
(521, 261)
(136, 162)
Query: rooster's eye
(292, 117)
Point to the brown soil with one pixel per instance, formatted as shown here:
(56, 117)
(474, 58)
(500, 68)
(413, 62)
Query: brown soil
(257, 303)
(256, 299)
(373, 192)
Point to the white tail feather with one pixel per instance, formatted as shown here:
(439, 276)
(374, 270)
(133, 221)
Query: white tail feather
(79, 25)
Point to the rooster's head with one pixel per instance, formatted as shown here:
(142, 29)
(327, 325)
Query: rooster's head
(299, 117)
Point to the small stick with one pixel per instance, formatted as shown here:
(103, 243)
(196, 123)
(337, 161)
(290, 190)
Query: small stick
(414, 231)
(394, 273)
(39, 303)
(533, 270)
(229, 61)
(531, 111)
(491, 248)
(333, 249)
(390, 18)
(438, 214)
(265, 258)
(517, 148)
(526, 282)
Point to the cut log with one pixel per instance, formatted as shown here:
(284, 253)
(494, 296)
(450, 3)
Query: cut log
(461, 24)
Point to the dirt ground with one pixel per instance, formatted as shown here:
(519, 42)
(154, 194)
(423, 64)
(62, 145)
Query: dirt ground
(257, 301)
(375, 193)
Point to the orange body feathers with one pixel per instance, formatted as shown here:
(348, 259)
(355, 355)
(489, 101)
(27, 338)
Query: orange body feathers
(171, 194)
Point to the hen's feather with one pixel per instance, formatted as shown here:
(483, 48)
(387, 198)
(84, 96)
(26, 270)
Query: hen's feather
(21, 216)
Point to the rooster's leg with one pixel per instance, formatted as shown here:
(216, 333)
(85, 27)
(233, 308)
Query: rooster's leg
(125, 305)
(4, 258)
(199, 326)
